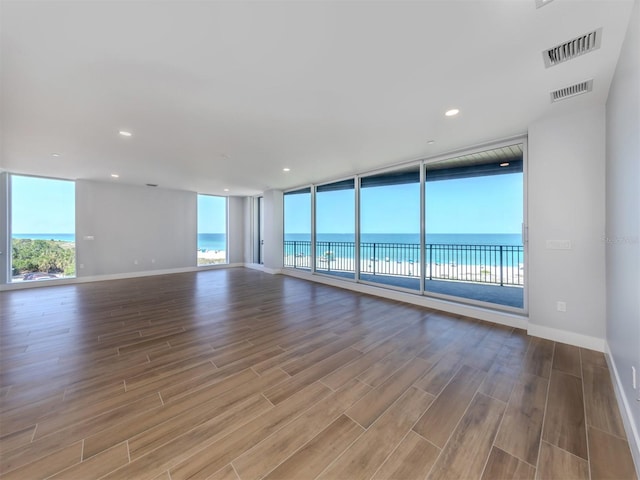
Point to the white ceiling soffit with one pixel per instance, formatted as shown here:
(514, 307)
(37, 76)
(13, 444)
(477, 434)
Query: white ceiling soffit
(224, 95)
(571, 91)
(573, 48)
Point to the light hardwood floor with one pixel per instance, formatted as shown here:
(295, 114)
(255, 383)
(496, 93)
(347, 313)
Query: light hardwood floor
(236, 374)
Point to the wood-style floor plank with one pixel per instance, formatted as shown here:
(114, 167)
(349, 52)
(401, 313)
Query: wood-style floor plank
(610, 456)
(465, 455)
(564, 423)
(234, 374)
(502, 466)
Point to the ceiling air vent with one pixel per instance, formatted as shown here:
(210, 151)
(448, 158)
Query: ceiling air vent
(573, 48)
(572, 91)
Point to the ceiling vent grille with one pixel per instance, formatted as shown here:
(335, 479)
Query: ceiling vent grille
(573, 48)
(572, 91)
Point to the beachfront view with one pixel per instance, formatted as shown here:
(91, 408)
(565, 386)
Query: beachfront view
(473, 246)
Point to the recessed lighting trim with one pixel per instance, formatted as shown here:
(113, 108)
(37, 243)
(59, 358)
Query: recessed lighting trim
(286, 169)
(542, 3)
(452, 112)
(55, 154)
(226, 189)
(505, 164)
(124, 133)
(431, 142)
(115, 175)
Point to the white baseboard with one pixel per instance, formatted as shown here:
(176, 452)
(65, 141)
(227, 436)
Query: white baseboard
(502, 318)
(564, 336)
(114, 276)
(262, 268)
(633, 436)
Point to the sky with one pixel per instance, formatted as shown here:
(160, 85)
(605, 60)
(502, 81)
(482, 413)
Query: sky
(212, 214)
(42, 205)
(490, 204)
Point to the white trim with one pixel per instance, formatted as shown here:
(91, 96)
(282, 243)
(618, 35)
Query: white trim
(502, 318)
(115, 276)
(262, 268)
(565, 336)
(633, 436)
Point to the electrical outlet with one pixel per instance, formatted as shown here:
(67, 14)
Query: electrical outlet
(561, 306)
(633, 378)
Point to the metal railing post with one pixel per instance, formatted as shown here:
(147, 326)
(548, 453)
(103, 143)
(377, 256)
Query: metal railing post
(327, 255)
(374, 259)
(501, 281)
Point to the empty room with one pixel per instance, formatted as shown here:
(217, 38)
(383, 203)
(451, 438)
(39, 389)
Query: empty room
(319, 239)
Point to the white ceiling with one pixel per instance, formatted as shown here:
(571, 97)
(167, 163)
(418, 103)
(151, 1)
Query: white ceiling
(225, 94)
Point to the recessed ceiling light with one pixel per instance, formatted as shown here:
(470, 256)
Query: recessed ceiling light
(55, 154)
(431, 142)
(542, 3)
(452, 112)
(226, 189)
(286, 169)
(124, 133)
(505, 164)
(115, 175)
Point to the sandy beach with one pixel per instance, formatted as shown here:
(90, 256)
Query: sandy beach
(210, 257)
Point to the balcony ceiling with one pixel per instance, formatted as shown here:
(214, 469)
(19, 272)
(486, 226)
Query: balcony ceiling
(226, 94)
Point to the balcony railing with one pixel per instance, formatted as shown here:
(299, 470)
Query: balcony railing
(491, 264)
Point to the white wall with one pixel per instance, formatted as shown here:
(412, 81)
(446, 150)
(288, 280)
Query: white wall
(566, 198)
(236, 230)
(154, 227)
(623, 224)
(273, 230)
(5, 242)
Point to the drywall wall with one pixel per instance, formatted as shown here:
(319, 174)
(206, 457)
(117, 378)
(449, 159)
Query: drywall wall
(623, 224)
(5, 243)
(273, 230)
(566, 199)
(133, 229)
(236, 230)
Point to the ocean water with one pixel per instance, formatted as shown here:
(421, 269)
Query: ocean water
(414, 238)
(212, 241)
(61, 237)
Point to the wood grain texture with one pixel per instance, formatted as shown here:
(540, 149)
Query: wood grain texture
(195, 374)
(564, 423)
(610, 456)
(465, 455)
(521, 427)
(502, 466)
(557, 463)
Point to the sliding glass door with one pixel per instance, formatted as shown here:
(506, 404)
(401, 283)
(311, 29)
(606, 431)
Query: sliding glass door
(390, 228)
(297, 229)
(474, 214)
(335, 229)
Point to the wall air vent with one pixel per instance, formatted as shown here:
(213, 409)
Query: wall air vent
(572, 91)
(573, 48)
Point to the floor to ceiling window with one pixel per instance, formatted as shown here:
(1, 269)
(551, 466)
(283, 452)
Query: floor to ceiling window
(449, 228)
(212, 230)
(43, 239)
(297, 229)
(474, 213)
(390, 228)
(335, 229)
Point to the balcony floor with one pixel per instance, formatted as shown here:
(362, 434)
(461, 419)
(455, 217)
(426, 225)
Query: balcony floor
(510, 296)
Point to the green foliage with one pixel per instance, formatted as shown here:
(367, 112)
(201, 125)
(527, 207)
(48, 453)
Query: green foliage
(49, 256)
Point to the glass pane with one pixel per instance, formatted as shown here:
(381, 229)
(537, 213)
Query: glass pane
(390, 228)
(474, 214)
(212, 230)
(335, 229)
(43, 240)
(297, 229)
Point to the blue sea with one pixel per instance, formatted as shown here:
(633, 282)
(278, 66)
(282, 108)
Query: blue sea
(61, 237)
(212, 241)
(432, 238)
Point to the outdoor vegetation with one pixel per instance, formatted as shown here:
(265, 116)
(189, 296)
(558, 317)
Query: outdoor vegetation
(50, 256)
